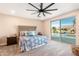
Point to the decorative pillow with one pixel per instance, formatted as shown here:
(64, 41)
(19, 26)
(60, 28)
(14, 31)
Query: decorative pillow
(31, 33)
(23, 33)
(39, 33)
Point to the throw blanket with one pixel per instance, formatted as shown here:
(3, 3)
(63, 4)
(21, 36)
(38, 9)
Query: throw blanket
(27, 43)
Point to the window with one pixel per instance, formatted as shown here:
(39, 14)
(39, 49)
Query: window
(64, 30)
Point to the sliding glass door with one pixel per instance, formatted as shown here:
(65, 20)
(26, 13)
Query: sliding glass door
(68, 30)
(64, 30)
(55, 29)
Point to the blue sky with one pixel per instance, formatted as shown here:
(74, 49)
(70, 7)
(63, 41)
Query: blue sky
(64, 22)
(56, 23)
(67, 21)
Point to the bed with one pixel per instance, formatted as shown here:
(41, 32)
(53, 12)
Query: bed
(28, 39)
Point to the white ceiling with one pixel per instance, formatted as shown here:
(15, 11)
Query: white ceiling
(19, 9)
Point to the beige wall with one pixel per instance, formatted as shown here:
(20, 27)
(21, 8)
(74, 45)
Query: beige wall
(46, 23)
(8, 25)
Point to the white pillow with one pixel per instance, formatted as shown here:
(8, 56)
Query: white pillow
(23, 33)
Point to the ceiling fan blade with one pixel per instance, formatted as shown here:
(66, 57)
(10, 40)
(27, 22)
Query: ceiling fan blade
(51, 10)
(34, 13)
(41, 6)
(39, 14)
(48, 12)
(30, 10)
(48, 6)
(43, 14)
(33, 6)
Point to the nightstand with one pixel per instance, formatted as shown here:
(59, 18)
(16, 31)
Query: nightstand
(11, 40)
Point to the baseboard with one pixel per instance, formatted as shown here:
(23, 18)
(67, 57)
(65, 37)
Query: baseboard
(3, 44)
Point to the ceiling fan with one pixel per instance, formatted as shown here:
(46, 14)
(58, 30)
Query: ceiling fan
(42, 10)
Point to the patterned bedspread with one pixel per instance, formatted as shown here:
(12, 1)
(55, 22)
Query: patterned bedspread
(27, 43)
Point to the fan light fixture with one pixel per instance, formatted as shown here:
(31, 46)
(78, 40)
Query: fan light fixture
(42, 10)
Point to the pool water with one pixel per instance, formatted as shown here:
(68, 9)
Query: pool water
(64, 38)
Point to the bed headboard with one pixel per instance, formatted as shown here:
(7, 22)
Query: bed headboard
(26, 28)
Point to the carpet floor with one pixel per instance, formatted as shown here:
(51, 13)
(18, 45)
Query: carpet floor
(53, 48)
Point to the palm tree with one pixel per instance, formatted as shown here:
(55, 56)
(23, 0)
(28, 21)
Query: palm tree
(54, 29)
